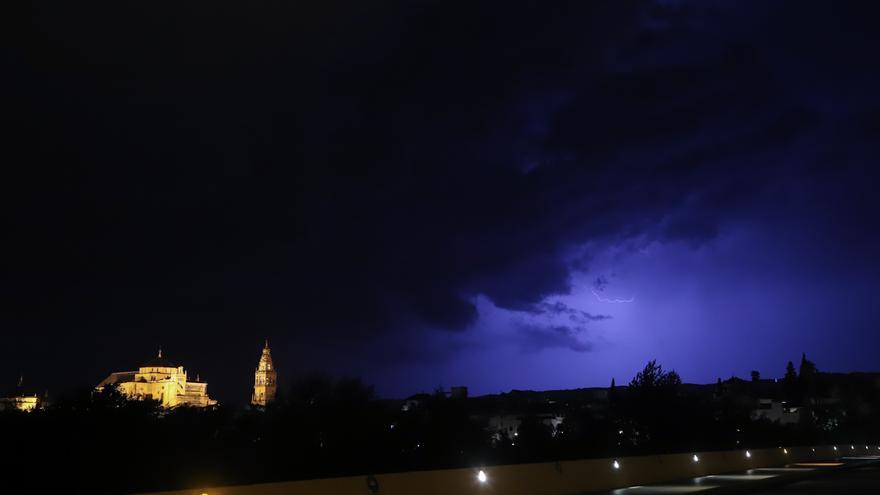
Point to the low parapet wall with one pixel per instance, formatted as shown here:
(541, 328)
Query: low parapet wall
(556, 478)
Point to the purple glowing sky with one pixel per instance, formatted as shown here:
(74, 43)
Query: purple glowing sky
(738, 302)
(507, 199)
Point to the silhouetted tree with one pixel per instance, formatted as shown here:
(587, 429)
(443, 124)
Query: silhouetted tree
(790, 383)
(807, 382)
(653, 404)
(653, 376)
(790, 373)
(756, 376)
(808, 368)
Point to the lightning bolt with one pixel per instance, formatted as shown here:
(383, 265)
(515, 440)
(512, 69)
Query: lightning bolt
(613, 301)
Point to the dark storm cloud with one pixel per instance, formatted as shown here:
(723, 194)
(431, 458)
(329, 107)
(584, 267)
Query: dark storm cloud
(536, 338)
(335, 173)
(558, 308)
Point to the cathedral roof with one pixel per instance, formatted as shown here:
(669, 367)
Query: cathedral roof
(18, 391)
(159, 362)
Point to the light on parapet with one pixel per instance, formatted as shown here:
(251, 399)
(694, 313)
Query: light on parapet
(615, 464)
(481, 476)
(748, 455)
(785, 451)
(696, 458)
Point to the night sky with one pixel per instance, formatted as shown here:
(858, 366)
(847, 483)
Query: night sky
(492, 194)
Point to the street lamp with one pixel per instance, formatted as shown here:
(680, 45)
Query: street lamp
(481, 476)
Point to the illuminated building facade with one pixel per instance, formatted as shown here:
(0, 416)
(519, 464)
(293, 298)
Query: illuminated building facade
(20, 400)
(26, 403)
(265, 379)
(161, 381)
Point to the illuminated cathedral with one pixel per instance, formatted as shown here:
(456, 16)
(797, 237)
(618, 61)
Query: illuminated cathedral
(265, 379)
(161, 381)
(21, 400)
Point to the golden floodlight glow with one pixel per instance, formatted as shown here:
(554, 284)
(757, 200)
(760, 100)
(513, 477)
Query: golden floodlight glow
(785, 451)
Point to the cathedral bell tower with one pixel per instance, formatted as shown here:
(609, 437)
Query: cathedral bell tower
(265, 379)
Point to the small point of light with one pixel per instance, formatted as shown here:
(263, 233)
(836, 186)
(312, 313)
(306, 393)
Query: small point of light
(481, 476)
(748, 454)
(615, 464)
(516, 433)
(620, 432)
(813, 449)
(696, 458)
(785, 451)
(835, 447)
(852, 447)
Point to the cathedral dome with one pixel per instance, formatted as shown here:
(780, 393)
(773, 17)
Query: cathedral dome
(159, 362)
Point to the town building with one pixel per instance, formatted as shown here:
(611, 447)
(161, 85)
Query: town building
(161, 381)
(265, 379)
(776, 411)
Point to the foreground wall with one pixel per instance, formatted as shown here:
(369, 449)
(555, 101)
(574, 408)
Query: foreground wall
(559, 478)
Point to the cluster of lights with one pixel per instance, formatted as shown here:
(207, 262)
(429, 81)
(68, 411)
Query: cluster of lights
(482, 478)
